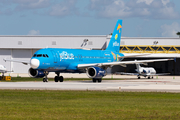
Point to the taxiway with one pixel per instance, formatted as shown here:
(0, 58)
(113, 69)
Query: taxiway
(167, 84)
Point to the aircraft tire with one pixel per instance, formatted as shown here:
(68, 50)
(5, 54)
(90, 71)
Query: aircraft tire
(45, 80)
(61, 79)
(94, 80)
(138, 77)
(56, 78)
(149, 77)
(99, 80)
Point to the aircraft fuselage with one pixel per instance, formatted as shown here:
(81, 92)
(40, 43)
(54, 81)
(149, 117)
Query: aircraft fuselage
(64, 60)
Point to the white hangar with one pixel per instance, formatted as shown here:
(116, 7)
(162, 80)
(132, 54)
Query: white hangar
(23, 48)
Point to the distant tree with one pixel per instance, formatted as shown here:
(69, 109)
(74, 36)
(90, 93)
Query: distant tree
(110, 34)
(178, 33)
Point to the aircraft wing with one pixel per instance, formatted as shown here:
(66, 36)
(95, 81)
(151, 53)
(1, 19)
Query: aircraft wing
(20, 61)
(123, 63)
(123, 73)
(160, 74)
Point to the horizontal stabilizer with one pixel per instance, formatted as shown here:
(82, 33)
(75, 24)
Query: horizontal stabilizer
(132, 56)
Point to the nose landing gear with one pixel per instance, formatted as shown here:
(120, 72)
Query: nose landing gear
(45, 79)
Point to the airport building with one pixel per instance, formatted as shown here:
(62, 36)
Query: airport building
(23, 48)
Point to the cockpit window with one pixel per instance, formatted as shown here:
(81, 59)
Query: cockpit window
(39, 55)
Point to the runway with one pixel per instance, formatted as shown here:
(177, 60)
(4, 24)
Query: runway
(135, 85)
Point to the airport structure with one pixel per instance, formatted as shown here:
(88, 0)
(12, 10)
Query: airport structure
(23, 48)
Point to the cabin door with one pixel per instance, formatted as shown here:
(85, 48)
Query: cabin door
(55, 56)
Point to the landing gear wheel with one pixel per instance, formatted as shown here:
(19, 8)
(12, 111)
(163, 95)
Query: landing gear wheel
(94, 80)
(99, 80)
(138, 77)
(148, 77)
(61, 79)
(45, 80)
(152, 77)
(56, 79)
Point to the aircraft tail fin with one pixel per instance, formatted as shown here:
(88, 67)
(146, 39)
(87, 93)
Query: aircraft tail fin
(114, 43)
(138, 65)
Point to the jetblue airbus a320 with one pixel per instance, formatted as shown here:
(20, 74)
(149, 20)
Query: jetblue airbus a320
(93, 62)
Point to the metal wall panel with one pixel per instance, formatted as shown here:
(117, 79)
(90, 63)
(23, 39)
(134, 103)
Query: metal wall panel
(21, 55)
(5, 53)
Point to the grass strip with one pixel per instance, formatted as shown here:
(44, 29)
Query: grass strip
(37, 104)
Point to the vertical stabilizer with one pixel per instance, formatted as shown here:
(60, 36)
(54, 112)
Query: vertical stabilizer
(138, 66)
(114, 43)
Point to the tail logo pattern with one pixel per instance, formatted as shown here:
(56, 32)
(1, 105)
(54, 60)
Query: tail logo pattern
(119, 27)
(114, 55)
(116, 36)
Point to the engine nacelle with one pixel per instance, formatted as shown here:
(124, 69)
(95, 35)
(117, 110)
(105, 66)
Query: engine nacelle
(95, 72)
(36, 73)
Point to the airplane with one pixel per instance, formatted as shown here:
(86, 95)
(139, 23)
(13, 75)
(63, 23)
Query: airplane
(144, 71)
(3, 70)
(92, 62)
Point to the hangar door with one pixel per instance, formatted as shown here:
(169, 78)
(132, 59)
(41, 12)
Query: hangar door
(5, 54)
(21, 54)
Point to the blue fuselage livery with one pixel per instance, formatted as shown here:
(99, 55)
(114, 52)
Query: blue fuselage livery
(67, 60)
(93, 62)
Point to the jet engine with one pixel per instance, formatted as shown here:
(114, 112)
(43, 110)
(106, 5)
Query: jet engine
(95, 72)
(36, 73)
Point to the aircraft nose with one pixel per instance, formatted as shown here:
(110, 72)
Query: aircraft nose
(34, 63)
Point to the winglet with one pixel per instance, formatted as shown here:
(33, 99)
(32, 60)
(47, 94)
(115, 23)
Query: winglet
(4, 59)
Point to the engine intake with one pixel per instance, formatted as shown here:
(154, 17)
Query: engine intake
(95, 72)
(36, 73)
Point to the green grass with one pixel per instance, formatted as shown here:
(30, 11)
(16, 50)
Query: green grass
(29, 104)
(24, 79)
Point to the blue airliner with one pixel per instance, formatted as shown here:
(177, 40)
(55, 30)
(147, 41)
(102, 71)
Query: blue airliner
(93, 62)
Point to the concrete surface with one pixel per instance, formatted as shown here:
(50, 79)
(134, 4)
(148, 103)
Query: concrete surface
(126, 83)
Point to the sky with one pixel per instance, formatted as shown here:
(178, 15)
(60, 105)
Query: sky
(141, 18)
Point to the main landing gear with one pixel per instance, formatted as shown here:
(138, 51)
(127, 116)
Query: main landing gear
(97, 79)
(58, 78)
(149, 77)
